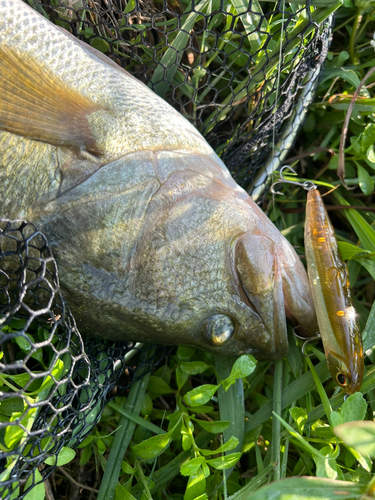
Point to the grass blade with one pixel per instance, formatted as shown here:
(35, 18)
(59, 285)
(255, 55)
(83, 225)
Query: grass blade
(268, 64)
(277, 390)
(364, 231)
(322, 392)
(296, 390)
(231, 404)
(171, 59)
(253, 484)
(136, 418)
(303, 488)
(123, 437)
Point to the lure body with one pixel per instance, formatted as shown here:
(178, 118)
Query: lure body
(329, 280)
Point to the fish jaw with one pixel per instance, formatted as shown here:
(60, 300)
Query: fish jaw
(276, 286)
(259, 271)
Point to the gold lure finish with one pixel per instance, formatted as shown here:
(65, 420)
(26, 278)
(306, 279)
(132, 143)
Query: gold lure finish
(329, 281)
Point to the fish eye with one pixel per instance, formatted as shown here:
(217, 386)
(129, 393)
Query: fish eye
(218, 329)
(342, 379)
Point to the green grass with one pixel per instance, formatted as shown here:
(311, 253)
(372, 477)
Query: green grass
(206, 428)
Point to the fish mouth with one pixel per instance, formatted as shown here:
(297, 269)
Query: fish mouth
(257, 273)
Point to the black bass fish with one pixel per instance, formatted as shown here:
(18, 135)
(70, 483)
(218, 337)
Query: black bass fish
(154, 240)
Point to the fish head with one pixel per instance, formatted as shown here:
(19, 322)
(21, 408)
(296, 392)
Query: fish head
(181, 258)
(347, 373)
(214, 272)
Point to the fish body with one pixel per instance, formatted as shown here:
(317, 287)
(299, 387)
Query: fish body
(154, 240)
(333, 300)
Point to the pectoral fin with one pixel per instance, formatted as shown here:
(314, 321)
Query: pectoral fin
(36, 104)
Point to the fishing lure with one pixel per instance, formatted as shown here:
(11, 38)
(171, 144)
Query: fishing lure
(329, 281)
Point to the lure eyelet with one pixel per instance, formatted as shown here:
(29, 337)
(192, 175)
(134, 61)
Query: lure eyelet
(218, 330)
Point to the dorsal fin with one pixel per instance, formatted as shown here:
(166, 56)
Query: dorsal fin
(36, 104)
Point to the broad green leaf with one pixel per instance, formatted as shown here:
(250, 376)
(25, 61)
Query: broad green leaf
(364, 231)
(326, 466)
(368, 334)
(349, 251)
(192, 466)
(49, 381)
(346, 74)
(159, 386)
(100, 44)
(333, 162)
(85, 455)
(353, 408)
(363, 460)
(184, 353)
(193, 367)
(147, 405)
(336, 419)
(358, 435)
(181, 377)
(20, 379)
(201, 409)
(370, 156)
(356, 143)
(308, 488)
(368, 137)
(196, 486)
(38, 491)
(128, 469)
(65, 456)
(153, 446)
(14, 432)
(186, 441)
(229, 445)
(243, 367)
(299, 415)
(11, 405)
(200, 395)
(87, 441)
(23, 342)
(123, 494)
(225, 461)
(215, 427)
(130, 6)
(365, 181)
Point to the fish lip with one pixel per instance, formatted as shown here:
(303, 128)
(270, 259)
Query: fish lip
(236, 278)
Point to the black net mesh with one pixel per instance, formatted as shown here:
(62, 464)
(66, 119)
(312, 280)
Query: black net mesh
(235, 69)
(243, 73)
(53, 385)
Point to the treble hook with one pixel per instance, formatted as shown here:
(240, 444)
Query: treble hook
(311, 339)
(306, 185)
